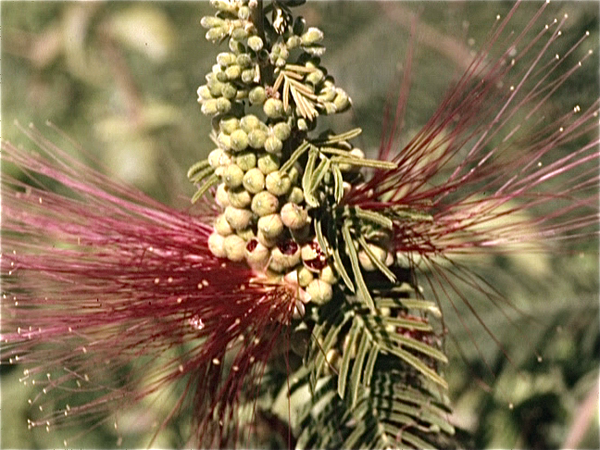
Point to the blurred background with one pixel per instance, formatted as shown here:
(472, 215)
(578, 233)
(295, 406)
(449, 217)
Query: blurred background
(120, 78)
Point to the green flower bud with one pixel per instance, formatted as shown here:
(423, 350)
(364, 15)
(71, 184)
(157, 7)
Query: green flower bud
(278, 184)
(224, 141)
(271, 226)
(273, 108)
(296, 195)
(223, 105)
(315, 77)
(293, 42)
(282, 130)
(299, 25)
(330, 108)
(328, 275)
(299, 341)
(215, 87)
(257, 96)
(273, 145)
(268, 163)
(216, 34)
(305, 276)
(299, 310)
(222, 226)
(302, 234)
(233, 176)
(243, 60)
(341, 101)
(229, 124)
(267, 242)
(211, 22)
(246, 234)
(255, 43)
(203, 93)
(235, 247)
(209, 107)
(216, 245)
(254, 181)
(294, 174)
(241, 94)
(246, 160)
(239, 197)
(239, 34)
(249, 122)
(264, 203)
(229, 92)
(225, 59)
(327, 94)
(320, 291)
(220, 75)
(239, 140)
(284, 256)
(244, 13)
(302, 124)
(222, 196)
(293, 216)
(218, 158)
(236, 46)
(224, 5)
(257, 138)
(233, 72)
(248, 75)
(312, 36)
(257, 255)
(357, 153)
(238, 218)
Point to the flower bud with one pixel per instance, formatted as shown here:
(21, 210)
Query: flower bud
(302, 234)
(246, 234)
(211, 22)
(233, 72)
(203, 93)
(268, 163)
(239, 140)
(296, 195)
(271, 226)
(216, 245)
(233, 176)
(257, 95)
(320, 291)
(255, 43)
(312, 257)
(267, 242)
(225, 59)
(257, 138)
(223, 105)
(264, 203)
(222, 227)
(328, 275)
(294, 174)
(245, 160)
(273, 145)
(249, 122)
(218, 158)
(224, 141)
(216, 34)
(273, 108)
(249, 75)
(243, 60)
(239, 34)
(244, 13)
(299, 310)
(327, 94)
(277, 183)
(312, 36)
(239, 197)
(254, 181)
(229, 124)
(284, 256)
(221, 196)
(236, 46)
(282, 130)
(235, 247)
(305, 276)
(302, 124)
(209, 107)
(293, 42)
(315, 77)
(229, 92)
(293, 216)
(238, 218)
(257, 255)
(215, 87)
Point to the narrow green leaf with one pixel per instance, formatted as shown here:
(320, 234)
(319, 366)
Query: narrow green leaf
(417, 364)
(306, 178)
(212, 180)
(419, 346)
(294, 157)
(202, 174)
(197, 167)
(368, 373)
(362, 162)
(351, 134)
(342, 270)
(338, 184)
(353, 255)
(406, 324)
(318, 175)
(346, 358)
(372, 216)
(357, 374)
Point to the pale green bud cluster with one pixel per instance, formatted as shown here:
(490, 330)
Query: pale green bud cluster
(265, 92)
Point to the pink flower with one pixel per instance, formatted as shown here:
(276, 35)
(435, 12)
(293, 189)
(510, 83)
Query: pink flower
(109, 296)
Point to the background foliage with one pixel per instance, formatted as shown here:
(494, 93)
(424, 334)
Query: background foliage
(121, 78)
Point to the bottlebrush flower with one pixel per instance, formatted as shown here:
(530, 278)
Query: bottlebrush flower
(109, 297)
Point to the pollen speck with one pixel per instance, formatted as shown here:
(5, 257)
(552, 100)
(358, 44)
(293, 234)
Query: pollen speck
(86, 378)
(40, 200)
(511, 406)
(84, 350)
(252, 359)
(235, 368)
(200, 286)
(156, 280)
(179, 300)
(216, 362)
(170, 280)
(557, 56)
(181, 368)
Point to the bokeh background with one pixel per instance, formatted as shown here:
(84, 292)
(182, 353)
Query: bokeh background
(120, 78)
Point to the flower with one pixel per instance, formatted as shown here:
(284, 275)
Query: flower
(109, 297)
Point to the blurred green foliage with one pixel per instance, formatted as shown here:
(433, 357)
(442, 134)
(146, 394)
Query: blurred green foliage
(121, 79)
